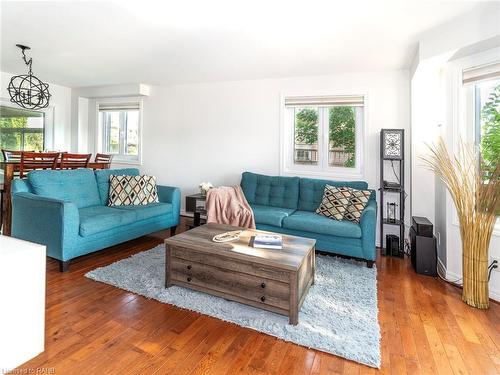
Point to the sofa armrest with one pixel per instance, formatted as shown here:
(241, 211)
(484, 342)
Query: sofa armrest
(51, 222)
(170, 194)
(368, 224)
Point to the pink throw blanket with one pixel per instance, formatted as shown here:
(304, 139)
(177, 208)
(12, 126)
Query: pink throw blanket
(228, 205)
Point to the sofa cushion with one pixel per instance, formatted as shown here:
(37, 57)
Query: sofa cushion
(335, 202)
(102, 177)
(311, 191)
(314, 223)
(148, 211)
(276, 191)
(97, 219)
(76, 186)
(270, 215)
(357, 203)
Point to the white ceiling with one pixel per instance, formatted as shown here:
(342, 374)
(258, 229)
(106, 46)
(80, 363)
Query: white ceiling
(166, 42)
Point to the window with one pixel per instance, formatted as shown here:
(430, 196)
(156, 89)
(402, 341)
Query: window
(323, 135)
(484, 82)
(119, 128)
(21, 129)
(482, 93)
(487, 120)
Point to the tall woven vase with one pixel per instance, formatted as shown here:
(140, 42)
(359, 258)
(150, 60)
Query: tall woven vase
(475, 245)
(475, 190)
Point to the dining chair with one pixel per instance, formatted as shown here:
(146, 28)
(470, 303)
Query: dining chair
(37, 160)
(11, 155)
(74, 161)
(103, 158)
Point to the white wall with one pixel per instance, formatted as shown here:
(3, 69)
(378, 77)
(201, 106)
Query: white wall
(215, 131)
(434, 101)
(478, 25)
(60, 101)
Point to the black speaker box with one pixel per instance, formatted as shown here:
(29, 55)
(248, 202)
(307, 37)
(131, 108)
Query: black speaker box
(422, 226)
(423, 253)
(392, 245)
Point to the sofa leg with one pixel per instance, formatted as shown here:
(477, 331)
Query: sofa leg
(172, 231)
(369, 263)
(63, 265)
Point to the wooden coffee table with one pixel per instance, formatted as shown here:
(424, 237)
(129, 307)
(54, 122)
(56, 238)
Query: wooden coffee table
(274, 280)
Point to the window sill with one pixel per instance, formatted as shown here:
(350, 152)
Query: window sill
(126, 162)
(343, 175)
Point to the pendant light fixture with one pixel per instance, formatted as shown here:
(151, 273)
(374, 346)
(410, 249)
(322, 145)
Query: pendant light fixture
(28, 91)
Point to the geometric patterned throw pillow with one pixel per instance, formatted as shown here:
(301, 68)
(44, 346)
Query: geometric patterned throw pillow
(357, 203)
(335, 202)
(132, 190)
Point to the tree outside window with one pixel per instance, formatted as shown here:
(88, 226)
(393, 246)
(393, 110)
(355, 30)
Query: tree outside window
(21, 129)
(490, 128)
(341, 136)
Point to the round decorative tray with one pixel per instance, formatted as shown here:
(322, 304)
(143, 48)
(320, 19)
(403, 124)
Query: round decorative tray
(227, 236)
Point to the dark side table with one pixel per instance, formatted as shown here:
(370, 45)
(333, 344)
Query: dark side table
(195, 203)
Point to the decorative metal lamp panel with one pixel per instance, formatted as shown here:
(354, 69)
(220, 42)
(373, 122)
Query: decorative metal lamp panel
(392, 144)
(26, 90)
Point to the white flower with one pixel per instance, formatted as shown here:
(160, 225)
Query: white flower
(206, 186)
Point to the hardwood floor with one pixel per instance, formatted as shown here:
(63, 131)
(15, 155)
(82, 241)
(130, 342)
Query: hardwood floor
(93, 328)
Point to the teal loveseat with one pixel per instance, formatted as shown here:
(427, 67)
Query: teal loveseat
(288, 205)
(67, 211)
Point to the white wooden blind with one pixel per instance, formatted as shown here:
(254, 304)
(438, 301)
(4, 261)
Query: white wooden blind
(325, 101)
(119, 106)
(481, 73)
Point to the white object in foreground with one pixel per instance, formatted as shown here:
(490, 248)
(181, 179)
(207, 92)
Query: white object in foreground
(22, 299)
(268, 241)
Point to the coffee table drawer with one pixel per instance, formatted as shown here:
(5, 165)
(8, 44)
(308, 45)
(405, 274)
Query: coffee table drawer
(230, 264)
(256, 289)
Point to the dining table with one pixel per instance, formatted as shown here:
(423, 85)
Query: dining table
(10, 169)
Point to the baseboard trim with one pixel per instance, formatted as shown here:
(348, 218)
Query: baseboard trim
(494, 294)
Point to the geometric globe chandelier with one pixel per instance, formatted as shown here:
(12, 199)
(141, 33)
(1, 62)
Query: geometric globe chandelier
(28, 91)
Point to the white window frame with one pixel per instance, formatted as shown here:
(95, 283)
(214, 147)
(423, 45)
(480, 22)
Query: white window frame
(120, 158)
(48, 122)
(464, 111)
(322, 169)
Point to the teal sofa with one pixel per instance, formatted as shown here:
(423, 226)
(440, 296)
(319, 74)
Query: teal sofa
(288, 205)
(67, 212)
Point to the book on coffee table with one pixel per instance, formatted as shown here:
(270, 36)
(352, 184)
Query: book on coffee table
(268, 241)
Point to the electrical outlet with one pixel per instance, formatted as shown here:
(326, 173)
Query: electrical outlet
(497, 260)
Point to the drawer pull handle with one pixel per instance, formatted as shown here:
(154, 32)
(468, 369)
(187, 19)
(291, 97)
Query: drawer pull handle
(189, 279)
(189, 267)
(263, 298)
(263, 285)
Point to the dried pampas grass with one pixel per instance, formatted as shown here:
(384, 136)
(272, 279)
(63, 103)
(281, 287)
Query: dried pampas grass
(475, 190)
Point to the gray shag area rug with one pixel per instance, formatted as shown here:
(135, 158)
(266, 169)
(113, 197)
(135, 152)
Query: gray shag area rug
(338, 316)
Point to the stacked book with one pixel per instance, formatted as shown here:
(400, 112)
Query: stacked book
(268, 241)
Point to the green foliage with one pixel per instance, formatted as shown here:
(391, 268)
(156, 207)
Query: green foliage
(11, 139)
(33, 141)
(13, 122)
(342, 129)
(306, 126)
(342, 124)
(490, 132)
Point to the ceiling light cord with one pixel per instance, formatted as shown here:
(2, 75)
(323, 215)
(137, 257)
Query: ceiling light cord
(26, 61)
